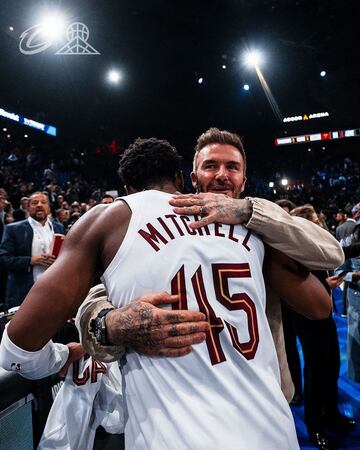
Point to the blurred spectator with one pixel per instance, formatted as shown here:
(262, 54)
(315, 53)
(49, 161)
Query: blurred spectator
(49, 176)
(62, 217)
(340, 218)
(74, 207)
(345, 230)
(352, 266)
(319, 341)
(323, 219)
(73, 218)
(343, 234)
(83, 207)
(51, 190)
(92, 202)
(8, 212)
(22, 212)
(59, 201)
(107, 199)
(25, 249)
(286, 205)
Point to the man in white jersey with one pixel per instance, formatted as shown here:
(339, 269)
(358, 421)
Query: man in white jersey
(216, 396)
(216, 174)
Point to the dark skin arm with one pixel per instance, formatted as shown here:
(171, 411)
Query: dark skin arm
(296, 285)
(62, 288)
(58, 293)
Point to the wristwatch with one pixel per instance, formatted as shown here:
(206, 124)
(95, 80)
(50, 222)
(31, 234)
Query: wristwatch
(98, 327)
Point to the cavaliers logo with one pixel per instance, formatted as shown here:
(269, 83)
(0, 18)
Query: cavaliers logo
(34, 41)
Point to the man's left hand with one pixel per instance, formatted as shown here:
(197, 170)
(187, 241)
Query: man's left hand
(212, 208)
(76, 352)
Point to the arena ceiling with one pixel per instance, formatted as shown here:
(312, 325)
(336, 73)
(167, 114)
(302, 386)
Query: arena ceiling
(163, 47)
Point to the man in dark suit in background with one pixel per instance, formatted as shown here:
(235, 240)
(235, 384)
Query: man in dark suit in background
(345, 230)
(343, 235)
(25, 249)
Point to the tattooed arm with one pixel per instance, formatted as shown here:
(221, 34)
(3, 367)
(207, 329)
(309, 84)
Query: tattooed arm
(298, 238)
(146, 329)
(212, 208)
(140, 326)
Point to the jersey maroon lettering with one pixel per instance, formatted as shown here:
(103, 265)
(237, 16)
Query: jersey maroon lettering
(152, 236)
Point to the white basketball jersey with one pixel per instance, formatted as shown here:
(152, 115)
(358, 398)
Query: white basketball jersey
(226, 394)
(90, 396)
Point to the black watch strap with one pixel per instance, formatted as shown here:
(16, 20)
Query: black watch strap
(98, 327)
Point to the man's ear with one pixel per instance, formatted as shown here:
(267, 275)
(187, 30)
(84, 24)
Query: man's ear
(194, 180)
(129, 190)
(179, 181)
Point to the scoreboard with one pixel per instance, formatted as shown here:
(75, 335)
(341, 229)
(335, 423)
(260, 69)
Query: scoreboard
(321, 136)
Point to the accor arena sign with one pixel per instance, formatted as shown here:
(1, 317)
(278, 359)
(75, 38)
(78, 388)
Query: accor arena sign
(318, 115)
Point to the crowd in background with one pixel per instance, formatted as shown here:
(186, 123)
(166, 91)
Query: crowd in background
(76, 179)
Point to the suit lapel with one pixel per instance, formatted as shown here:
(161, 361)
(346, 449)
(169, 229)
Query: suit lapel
(28, 235)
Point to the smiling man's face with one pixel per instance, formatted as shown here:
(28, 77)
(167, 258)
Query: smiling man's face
(39, 207)
(220, 169)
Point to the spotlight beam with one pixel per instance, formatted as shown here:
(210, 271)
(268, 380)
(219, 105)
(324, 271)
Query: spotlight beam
(271, 99)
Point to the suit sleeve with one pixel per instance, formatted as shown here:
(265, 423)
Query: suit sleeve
(95, 301)
(8, 258)
(296, 237)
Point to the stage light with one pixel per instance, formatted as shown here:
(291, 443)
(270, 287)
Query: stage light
(309, 149)
(284, 182)
(271, 184)
(53, 26)
(8, 136)
(114, 76)
(4, 129)
(323, 73)
(253, 58)
(200, 80)
(26, 136)
(246, 87)
(11, 28)
(223, 66)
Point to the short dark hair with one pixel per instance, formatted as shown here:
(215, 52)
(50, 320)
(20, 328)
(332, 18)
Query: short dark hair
(216, 136)
(305, 211)
(46, 194)
(285, 203)
(148, 161)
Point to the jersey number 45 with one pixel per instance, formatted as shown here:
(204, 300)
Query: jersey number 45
(239, 301)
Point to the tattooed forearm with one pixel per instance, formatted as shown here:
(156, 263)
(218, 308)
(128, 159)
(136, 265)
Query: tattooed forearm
(229, 210)
(144, 328)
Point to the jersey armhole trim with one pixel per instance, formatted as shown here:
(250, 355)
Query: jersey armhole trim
(125, 246)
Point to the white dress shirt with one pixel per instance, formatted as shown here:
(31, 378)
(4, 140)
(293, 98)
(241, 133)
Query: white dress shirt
(42, 240)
